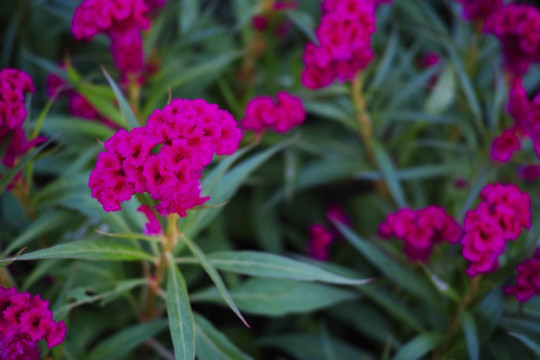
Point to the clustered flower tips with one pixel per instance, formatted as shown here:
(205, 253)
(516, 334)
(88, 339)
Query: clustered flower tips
(263, 113)
(320, 239)
(528, 279)
(123, 21)
(24, 321)
(165, 158)
(420, 230)
(479, 9)
(517, 27)
(13, 85)
(344, 36)
(500, 217)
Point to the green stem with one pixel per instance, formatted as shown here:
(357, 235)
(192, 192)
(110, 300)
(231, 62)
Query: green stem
(364, 121)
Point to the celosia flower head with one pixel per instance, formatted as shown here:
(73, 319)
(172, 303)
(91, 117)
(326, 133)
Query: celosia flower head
(500, 217)
(421, 230)
(24, 321)
(320, 239)
(263, 113)
(517, 27)
(479, 9)
(165, 158)
(528, 280)
(504, 146)
(344, 36)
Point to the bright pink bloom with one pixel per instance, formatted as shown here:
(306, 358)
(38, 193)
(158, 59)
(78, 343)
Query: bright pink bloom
(319, 241)
(479, 9)
(518, 30)
(262, 113)
(344, 36)
(528, 280)
(420, 230)
(152, 227)
(122, 20)
(24, 321)
(504, 146)
(165, 158)
(499, 218)
(260, 23)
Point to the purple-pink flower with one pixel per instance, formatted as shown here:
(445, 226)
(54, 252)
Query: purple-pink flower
(500, 217)
(24, 321)
(479, 9)
(165, 158)
(263, 113)
(421, 230)
(504, 146)
(320, 239)
(528, 280)
(518, 29)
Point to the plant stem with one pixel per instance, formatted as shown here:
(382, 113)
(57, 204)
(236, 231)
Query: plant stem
(364, 121)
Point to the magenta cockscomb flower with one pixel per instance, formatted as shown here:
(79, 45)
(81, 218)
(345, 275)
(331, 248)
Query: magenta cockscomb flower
(500, 217)
(123, 21)
(344, 36)
(165, 158)
(480, 9)
(319, 242)
(528, 280)
(263, 113)
(504, 146)
(13, 86)
(421, 230)
(24, 321)
(518, 29)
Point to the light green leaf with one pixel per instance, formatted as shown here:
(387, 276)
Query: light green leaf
(304, 23)
(419, 346)
(471, 335)
(188, 15)
(127, 113)
(214, 345)
(442, 97)
(533, 345)
(389, 174)
(181, 321)
(261, 264)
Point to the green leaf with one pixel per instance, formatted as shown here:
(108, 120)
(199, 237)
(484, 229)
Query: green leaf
(181, 321)
(304, 23)
(214, 345)
(188, 15)
(471, 336)
(391, 269)
(214, 275)
(390, 176)
(89, 250)
(419, 346)
(261, 264)
(127, 113)
(278, 297)
(533, 345)
(383, 70)
(442, 97)
(122, 343)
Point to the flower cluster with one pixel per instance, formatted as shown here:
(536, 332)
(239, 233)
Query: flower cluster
(24, 321)
(320, 239)
(499, 218)
(517, 27)
(272, 18)
(420, 230)
(479, 9)
(165, 158)
(264, 113)
(123, 21)
(526, 115)
(528, 279)
(13, 84)
(344, 36)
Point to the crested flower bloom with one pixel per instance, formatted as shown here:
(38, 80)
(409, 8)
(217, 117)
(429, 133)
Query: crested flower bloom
(24, 321)
(263, 113)
(13, 86)
(344, 36)
(528, 280)
(500, 217)
(320, 239)
(517, 26)
(504, 146)
(421, 230)
(123, 21)
(165, 158)
(479, 9)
